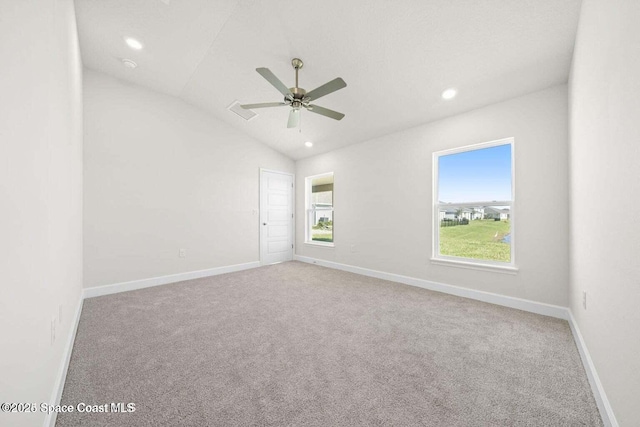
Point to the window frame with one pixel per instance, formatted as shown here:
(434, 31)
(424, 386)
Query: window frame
(472, 263)
(309, 210)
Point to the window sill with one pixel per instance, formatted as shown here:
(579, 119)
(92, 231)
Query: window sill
(323, 244)
(504, 269)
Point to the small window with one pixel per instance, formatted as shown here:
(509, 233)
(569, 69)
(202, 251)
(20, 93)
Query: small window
(473, 204)
(319, 197)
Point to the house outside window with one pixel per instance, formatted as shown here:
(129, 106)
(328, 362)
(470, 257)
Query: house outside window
(474, 195)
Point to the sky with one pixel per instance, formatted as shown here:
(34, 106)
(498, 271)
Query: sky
(475, 176)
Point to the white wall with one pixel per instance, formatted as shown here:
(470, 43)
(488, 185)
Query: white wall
(605, 181)
(391, 176)
(40, 196)
(161, 175)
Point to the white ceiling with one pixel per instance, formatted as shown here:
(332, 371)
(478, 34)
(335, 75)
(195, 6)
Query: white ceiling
(396, 57)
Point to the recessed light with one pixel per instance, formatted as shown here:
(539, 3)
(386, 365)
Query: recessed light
(308, 144)
(133, 43)
(129, 63)
(449, 93)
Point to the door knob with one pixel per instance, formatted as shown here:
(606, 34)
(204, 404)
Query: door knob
(264, 223)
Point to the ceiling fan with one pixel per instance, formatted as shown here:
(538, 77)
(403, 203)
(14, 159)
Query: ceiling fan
(296, 97)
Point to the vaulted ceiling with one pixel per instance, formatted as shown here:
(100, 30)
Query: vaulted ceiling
(396, 57)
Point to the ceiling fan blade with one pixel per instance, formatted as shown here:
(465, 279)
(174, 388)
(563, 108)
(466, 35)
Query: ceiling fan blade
(325, 112)
(326, 89)
(263, 105)
(271, 78)
(294, 118)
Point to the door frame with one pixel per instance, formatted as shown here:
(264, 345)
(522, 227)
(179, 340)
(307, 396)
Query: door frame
(293, 211)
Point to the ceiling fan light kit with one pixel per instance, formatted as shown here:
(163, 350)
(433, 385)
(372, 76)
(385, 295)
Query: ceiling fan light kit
(298, 98)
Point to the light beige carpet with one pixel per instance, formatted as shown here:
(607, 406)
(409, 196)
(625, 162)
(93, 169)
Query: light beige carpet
(300, 345)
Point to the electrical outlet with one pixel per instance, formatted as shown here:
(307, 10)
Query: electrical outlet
(182, 253)
(53, 330)
(584, 299)
(353, 249)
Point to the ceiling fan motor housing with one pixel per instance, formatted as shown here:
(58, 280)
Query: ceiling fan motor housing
(298, 92)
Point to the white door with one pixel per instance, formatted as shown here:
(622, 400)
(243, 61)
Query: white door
(276, 217)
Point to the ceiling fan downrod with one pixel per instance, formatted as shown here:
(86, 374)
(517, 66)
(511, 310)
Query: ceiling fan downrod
(297, 64)
(298, 93)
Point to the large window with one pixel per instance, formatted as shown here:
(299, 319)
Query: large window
(319, 197)
(473, 204)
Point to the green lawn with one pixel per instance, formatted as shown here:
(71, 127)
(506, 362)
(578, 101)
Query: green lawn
(480, 239)
(320, 235)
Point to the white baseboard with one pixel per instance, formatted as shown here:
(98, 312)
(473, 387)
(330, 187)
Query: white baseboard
(50, 419)
(606, 411)
(163, 280)
(512, 302)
